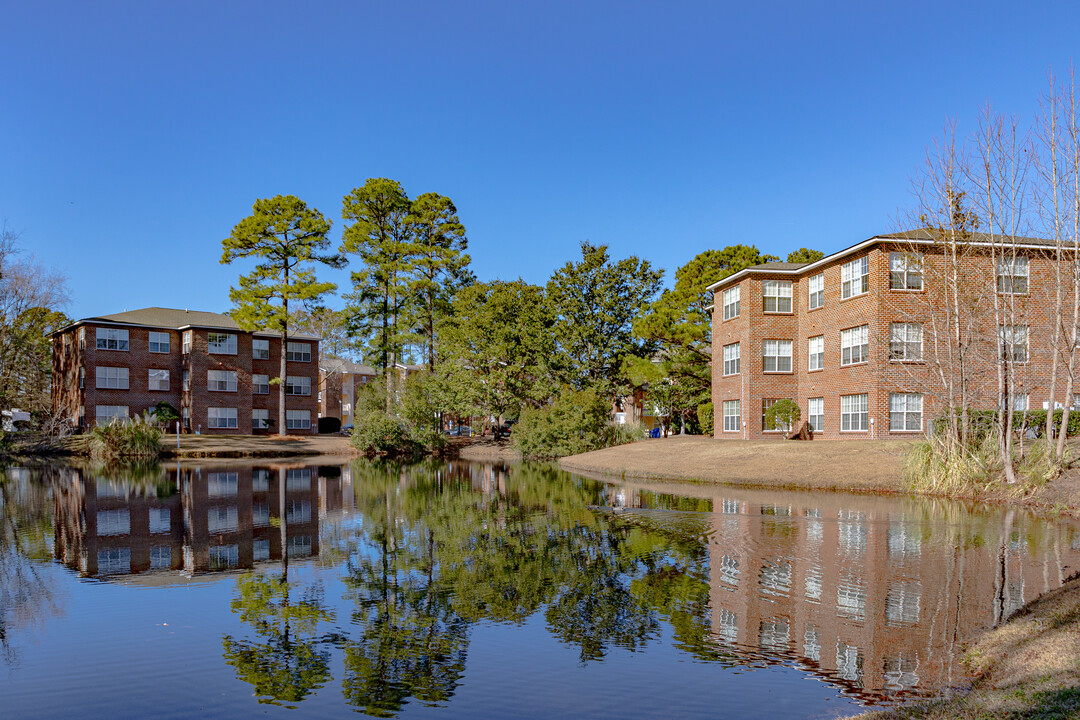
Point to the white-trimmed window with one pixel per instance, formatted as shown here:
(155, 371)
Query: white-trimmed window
(112, 339)
(82, 377)
(815, 293)
(221, 343)
(185, 416)
(855, 345)
(160, 520)
(731, 359)
(767, 403)
(297, 420)
(732, 416)
(298, 352)
(157, 379)
(186, 380)
(776, 296)
(1014, 343)
(260, 349)
(222, 519)
(905, 271)
(1012, 275)
(222, 484)
(185, 344)
(905, 412)
(114, 522)
(815, 350)
(731, 302)
(260, 418)
(776, 355)
(905, 341)
(105, 414)
(222, 418)
(221, 380)
(815, 414)
(297, 385)
(1020, 402)
(113, 378)
(159, 342)
(854, 412)
(855, 277)
(260, 384)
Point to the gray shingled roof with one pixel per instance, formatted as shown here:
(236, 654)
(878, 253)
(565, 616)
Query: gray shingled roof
(157, 317)
(978, 237)
(779, 266)
(340, 365)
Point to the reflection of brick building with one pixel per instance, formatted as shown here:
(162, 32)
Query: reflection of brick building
(875, 600)
(215, 374)
(215, 518)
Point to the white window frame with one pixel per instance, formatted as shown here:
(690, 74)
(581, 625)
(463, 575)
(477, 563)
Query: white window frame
(221, 380)
(186, 381)
(774, 350)
(815, 353)
(732, 304)
(157, 380)
(855, 277)
(218, 343)
(298, 352)
(297, 420)
(112, 339)
(905, 342)
(815, 291)
(111, 412)
(1013, 274)
(221, 418)
(905, 271)
(855, 345)
(732, 359)
(260, 384)
(1014, 342)
(112, 378)
(815, 413)
(779, 292)
(297, 385)
(905, 412)
(732, 416)
(159, 342)
(855, 413)
(185, 342)
(260, 418)
(260, 349)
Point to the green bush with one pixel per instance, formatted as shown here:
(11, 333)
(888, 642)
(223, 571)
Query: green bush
(135, 438)
(621, 434)
(376, 433)
(573, 423)
(705, 418)
(782, 413)
(983, 422)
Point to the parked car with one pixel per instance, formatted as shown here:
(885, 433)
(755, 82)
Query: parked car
(346, 429)
(460, 430)
(504, 430)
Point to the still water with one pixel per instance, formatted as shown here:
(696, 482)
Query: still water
(460, 590)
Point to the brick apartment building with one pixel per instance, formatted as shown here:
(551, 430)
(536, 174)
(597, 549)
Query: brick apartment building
(215, 374)
(849, 337)
(339, 382)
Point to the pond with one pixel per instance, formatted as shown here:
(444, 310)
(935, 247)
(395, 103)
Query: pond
(458, 590)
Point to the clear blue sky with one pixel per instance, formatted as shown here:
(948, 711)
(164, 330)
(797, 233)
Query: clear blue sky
(134, 135)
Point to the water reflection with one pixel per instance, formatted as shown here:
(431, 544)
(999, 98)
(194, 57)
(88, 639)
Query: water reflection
(873, 596)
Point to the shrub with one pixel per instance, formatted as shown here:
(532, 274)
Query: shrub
(136, 438)
(782, 413)
(705, 418)
(164, 413)
(376, 433)
(329, 425)
(621, 434)
(573, 423)
(937, 464)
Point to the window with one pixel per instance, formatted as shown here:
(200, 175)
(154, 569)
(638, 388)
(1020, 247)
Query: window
(223, 556)
(731, 359)
(260, 384)
(767, 403)
(260, 550)
(185, 347)
(815, 350)
(1012, 276)
(260, 480)
(855, 345)
(905, 341)
(732, 418)
(112, 378)
(187, 380)
(158, 379)
(854, 412)
(221, 380)
(260, 418)
(260, 349)
(222, 418)
(816, 291)
(113, 522)
(260, 515)
(82, 338)
(297, 420)
(1020, 402)
(297, 385)
(298, 511)
(222, 519)
(159, 342)
(105, 414)
(160, 557)
(855, 277)
(160, 520)
(185, 416)
(112, 339)
(731, 302)
(298, 352)
(82, 377)
(905, 271)
(776, 355)
(1014, 343)
(114, 561)
(816, 414)
(221, 343)
(905, 412)
(776, 296)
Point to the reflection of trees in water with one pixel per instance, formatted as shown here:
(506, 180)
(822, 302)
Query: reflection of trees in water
(27, 597)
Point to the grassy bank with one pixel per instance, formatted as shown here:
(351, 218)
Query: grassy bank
(235, 446)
